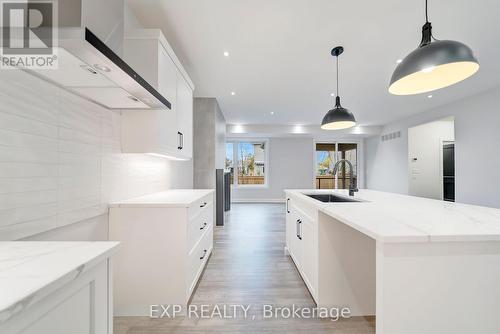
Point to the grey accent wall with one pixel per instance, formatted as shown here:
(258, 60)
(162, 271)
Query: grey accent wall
(209, 137)
(477, 156)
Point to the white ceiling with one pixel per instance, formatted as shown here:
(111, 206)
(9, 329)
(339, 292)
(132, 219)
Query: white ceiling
(280, 53)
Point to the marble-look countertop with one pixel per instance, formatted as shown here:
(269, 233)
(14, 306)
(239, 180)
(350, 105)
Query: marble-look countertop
(169, 198)
(389, 217)
(31, 268)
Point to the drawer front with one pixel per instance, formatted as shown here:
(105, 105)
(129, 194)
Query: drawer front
(200, 205)
(198, 226)
(198, 259)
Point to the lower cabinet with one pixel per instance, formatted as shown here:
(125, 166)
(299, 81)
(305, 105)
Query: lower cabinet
(309, 254)
(81, 306)
(162, 254)
(302, 244)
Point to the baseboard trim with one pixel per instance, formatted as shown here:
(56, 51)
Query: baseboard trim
(258, 200)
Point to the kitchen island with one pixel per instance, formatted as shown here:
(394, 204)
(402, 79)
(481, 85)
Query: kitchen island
(419, 265)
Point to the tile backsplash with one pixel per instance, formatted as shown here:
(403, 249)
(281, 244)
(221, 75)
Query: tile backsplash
(61, 160)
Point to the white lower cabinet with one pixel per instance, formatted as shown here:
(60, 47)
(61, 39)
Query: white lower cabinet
(302, 244)
(65, 288)
(309, 253)
(164, 249)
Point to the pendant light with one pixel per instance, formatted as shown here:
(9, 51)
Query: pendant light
(338, 118)
(433, 65)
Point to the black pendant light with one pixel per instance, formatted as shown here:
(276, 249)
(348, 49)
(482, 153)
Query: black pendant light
(338, 118)
(433, 65)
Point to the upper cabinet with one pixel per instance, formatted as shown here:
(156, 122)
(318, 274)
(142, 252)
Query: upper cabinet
(166, 132)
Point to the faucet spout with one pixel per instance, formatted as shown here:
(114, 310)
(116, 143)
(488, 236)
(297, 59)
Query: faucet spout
(352, 187)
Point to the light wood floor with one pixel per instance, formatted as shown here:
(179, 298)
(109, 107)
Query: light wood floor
(248, 267)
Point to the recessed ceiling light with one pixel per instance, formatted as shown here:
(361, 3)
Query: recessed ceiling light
(233, 93)
(399, 61)
(226, 54)
(272, 112)
(429, 96)
(332, 94)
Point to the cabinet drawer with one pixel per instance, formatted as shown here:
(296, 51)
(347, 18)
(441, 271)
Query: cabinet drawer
(198, 258)
(198, 226)
(200, 205)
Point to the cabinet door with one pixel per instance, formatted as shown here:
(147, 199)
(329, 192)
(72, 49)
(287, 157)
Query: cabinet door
(295, 244)
(167, 86)
(308, 249)
(291, 226)
(184, 116)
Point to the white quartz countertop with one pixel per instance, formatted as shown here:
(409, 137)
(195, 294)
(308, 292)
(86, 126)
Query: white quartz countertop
(29, 270)
(169, 198)
(389, 217)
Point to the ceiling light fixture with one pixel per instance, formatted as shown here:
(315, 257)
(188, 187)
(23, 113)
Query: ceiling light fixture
(226, 54)
(272, 112)
(429, 96)
(338, 118)
(433, 65)
(233, 93)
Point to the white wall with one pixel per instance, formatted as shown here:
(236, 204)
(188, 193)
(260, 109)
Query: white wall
(290, 167)
(425, 147)
(477, 156)
(60, 163)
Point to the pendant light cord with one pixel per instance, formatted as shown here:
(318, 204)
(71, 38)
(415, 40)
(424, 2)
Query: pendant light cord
(426, 15)
(337, 75)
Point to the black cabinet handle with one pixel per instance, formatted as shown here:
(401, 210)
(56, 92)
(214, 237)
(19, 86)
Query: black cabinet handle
(300, 229)
(181, 140)
(297, 228)
(287, 208)
(204, 254)
(204, 225)
(203, 205)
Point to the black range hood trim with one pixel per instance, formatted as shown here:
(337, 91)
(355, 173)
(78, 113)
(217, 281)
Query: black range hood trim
(106, 51)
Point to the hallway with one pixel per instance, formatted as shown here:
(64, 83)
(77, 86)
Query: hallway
(248, 267)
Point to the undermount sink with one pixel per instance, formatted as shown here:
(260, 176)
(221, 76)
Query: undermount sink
(329, 198)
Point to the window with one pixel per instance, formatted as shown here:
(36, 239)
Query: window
(230, 160)
(327, 154)
(326, 158)
(246, 161)
(349, 152)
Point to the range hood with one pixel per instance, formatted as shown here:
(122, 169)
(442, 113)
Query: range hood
(92, 68)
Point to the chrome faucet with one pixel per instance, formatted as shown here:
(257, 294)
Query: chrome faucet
(352, 186)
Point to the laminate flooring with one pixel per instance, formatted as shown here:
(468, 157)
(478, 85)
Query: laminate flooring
(248, 267)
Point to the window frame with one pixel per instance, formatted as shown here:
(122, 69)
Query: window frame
(235, 142)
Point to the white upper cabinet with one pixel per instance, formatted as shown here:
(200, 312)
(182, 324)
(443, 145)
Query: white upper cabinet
(167, 132)
(184, 116)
